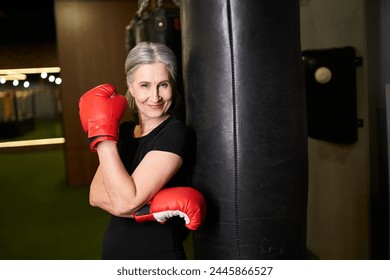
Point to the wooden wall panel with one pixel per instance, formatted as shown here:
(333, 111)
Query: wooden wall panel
(29, 55)
(91, 50)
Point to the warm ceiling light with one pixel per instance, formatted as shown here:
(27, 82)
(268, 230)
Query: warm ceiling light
(12, 77)
(58, 81)
(36, 142)
(20, 73)
(30, 70)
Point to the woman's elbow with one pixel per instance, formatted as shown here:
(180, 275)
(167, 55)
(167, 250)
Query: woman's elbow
(109, 207)
(95, 200)
(123, 209)
(92, 201)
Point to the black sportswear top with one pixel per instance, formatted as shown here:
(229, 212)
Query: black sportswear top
(127, 239)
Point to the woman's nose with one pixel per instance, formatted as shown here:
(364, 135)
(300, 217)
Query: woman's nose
(155, 96)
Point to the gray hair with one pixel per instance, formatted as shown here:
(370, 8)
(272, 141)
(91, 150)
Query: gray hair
(148, 53)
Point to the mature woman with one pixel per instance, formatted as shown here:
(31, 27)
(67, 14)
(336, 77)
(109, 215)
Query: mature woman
(148, 155)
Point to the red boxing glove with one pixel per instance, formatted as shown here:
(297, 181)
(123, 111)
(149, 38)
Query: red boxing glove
(101, 109)
(186, 202)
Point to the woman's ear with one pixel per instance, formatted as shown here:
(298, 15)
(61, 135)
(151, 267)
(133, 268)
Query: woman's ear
(129, 89)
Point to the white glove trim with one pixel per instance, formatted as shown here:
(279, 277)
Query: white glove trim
(161, 217)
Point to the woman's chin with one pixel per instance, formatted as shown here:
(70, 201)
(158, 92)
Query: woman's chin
(154, 114)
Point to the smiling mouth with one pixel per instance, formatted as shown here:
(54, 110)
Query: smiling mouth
(155, 106)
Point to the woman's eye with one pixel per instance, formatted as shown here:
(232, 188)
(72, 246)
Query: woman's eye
(164, 85)
(144, 85)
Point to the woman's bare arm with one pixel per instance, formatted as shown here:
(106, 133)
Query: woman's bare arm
(98, 196)
(126, 193)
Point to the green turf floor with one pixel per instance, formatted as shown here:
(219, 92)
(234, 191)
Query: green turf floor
(42, 129)
(42, 218)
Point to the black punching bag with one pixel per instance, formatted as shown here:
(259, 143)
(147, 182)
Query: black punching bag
(245, 100)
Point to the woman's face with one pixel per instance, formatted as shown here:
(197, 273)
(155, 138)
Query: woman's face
(151, 90)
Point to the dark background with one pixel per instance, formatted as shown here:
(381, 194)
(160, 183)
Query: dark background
(27, 22)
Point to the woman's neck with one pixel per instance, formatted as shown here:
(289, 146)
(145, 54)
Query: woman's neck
(144, 127)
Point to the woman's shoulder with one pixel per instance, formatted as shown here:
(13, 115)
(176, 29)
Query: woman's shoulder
(173, 121)
(171, 136)
(170, 129)
(174, 125)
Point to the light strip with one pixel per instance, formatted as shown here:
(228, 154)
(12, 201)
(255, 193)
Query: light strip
(11, 77)
(37, 142)
(30, 70)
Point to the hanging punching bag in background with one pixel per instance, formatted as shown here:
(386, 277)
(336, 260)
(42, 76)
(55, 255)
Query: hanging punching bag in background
(245, 101)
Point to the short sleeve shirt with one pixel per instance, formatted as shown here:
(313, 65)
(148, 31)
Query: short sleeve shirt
(170, 136)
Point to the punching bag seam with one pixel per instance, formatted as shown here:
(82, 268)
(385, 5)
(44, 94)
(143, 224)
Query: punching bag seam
(230, 32)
